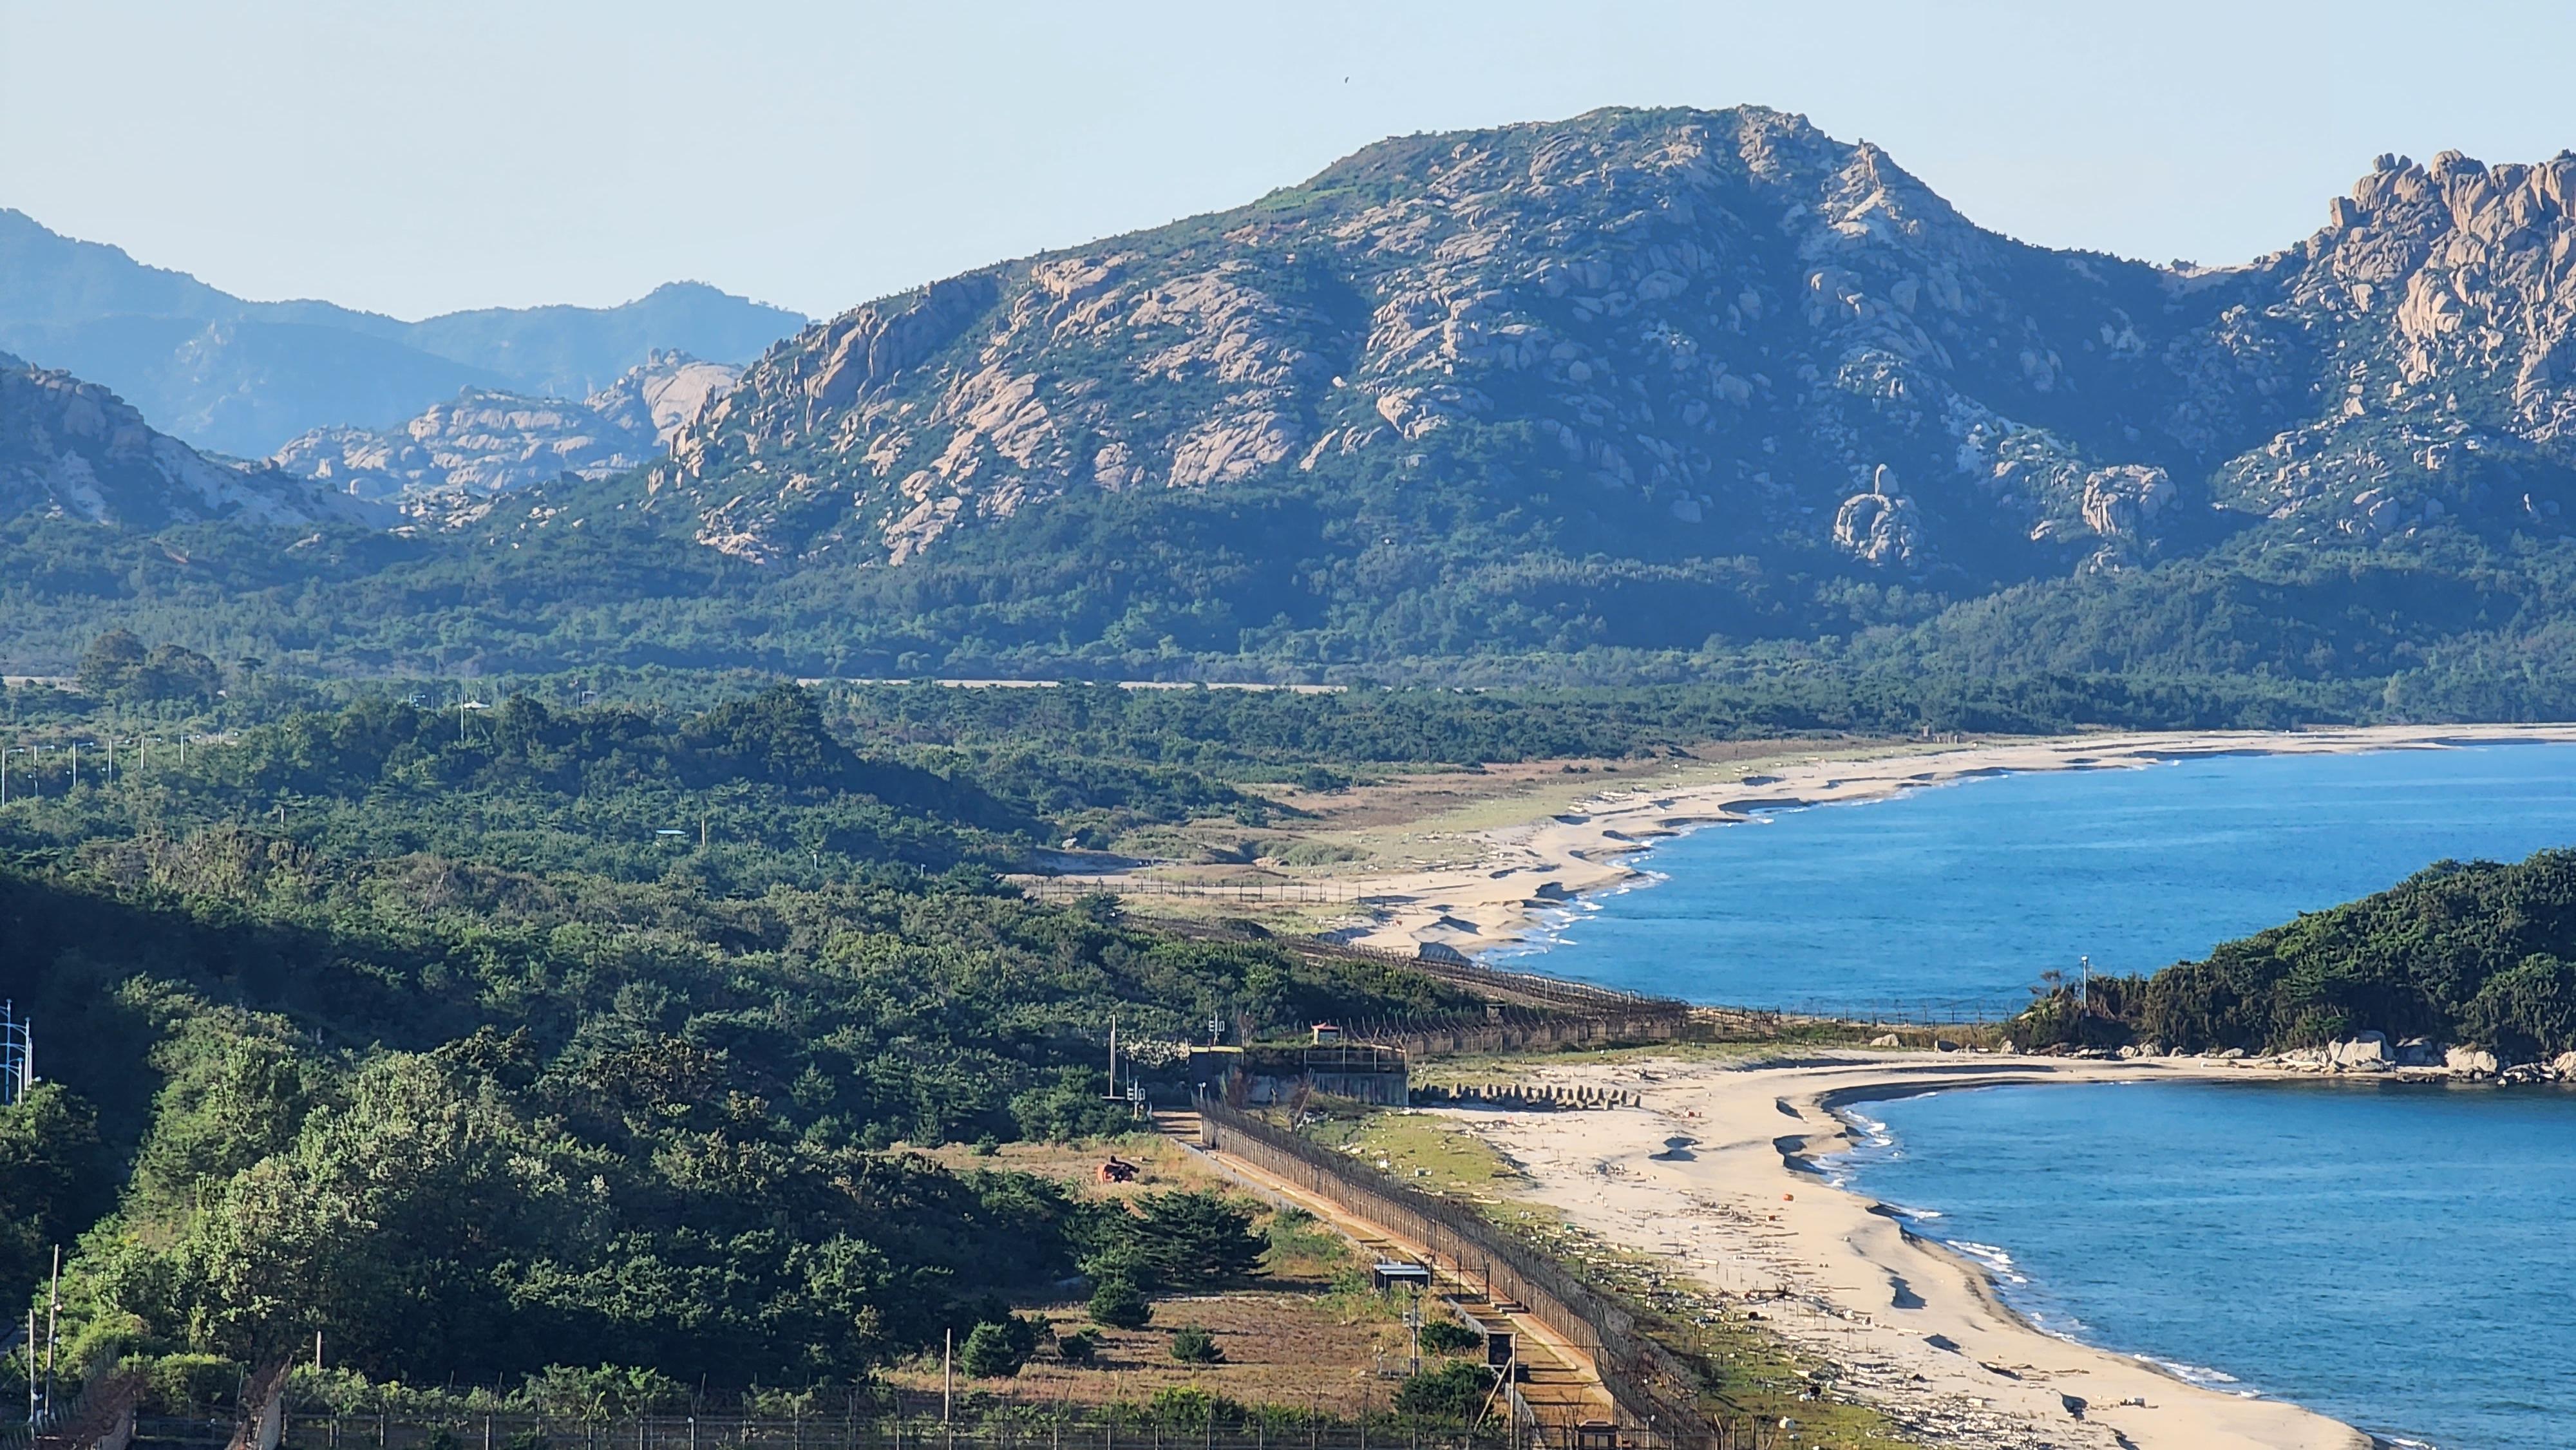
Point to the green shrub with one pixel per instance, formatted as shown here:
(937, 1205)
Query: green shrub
(1448, 1336)
(1080, 1347)
(1190, 1408)
(997, 1350)
(1455, 1393)
(1118, 1304)
(1194, 1345)
(180, 1384)
(1070, 1109)
(1181, 1238)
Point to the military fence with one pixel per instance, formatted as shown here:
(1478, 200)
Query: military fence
(1650, 1385)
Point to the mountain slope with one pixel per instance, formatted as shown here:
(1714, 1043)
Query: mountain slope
(1637, 393)
(71, 449)
(242, 377)
(1695, 333)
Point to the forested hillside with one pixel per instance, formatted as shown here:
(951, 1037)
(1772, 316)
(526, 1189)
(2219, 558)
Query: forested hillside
(2479, 953)
(463, 1065)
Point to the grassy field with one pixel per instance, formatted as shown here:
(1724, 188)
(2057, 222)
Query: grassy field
(1308, 1337)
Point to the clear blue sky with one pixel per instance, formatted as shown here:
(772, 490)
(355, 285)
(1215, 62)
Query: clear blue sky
(415, 158)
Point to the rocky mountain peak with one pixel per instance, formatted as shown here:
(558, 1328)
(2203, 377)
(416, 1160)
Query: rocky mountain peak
(1676, 335)
(1720, 319)
(2441, 299)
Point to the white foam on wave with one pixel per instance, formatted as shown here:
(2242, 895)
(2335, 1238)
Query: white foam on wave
(2199, 1374)
(1995, 1260)
(1872, 1142)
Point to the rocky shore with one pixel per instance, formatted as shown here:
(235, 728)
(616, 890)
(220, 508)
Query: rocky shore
(2367, 1054)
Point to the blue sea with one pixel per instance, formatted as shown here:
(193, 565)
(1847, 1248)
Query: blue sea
(1959, 896)
(2397, 1257)
(2394, 1256)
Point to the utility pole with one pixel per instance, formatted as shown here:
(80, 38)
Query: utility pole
(947, 1373)
(2083, 985)
(1113, 1056)
(17, 1071)
(53, 1309)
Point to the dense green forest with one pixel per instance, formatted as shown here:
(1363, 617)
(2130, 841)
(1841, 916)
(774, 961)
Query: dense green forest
(2437, 628)
(464, 1065)
(2477, 953)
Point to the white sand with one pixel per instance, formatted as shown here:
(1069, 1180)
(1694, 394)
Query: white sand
(1492, 900)
(1920, 1330)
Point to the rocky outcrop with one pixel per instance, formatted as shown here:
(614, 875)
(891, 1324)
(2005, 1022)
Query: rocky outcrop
(2441, 302)
(2471, 1061)
(1881, 526)
(457, 454)
(74, 449)
(2418, 1058)
(2364, 1050)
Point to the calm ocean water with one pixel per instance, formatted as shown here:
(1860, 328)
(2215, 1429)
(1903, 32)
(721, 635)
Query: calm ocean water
(1967, 892)
(2396, 1257)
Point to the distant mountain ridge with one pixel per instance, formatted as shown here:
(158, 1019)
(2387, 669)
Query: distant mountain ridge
(1642, 392)
(242, 377)
(447, 464)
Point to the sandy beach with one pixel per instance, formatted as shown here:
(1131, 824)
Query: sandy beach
(1918, 1330)
(1503, 876)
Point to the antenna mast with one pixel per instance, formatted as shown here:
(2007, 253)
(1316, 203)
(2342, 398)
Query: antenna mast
(17, 1055)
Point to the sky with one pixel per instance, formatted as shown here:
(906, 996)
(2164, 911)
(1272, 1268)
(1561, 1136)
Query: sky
(416, 158)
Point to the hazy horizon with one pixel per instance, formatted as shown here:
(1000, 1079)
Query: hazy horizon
(815, 157)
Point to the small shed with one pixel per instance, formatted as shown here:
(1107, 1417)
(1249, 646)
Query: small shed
(1390, 1273)
(1327, 1033)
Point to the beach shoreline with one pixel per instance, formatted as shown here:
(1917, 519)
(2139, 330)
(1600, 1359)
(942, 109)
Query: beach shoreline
(1718, 1173)
(1515, 873)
